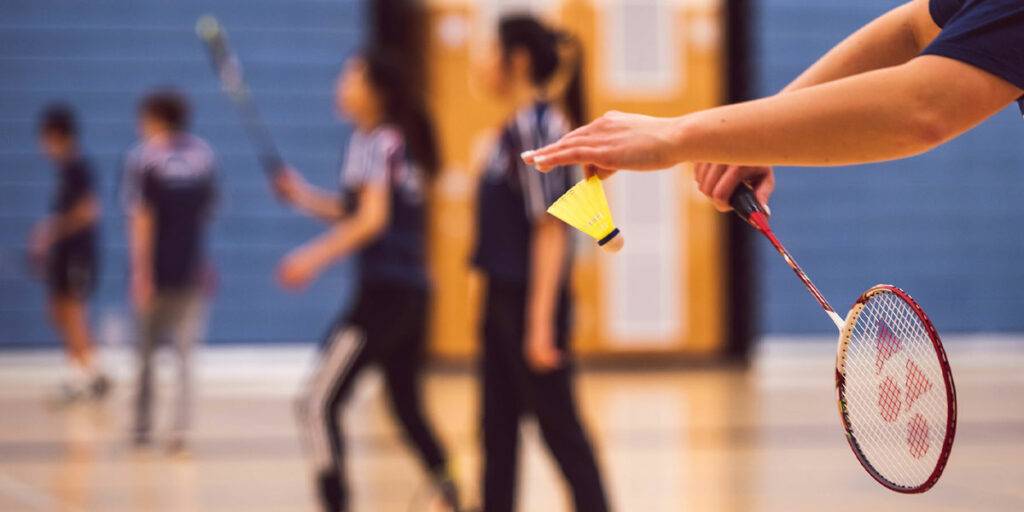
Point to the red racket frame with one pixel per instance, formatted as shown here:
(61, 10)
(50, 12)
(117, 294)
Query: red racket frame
(947, 376)
(749, 209)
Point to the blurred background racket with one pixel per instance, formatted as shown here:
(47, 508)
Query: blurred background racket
(897, 401)
(229, 70)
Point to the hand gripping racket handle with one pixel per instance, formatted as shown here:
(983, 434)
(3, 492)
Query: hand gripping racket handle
(745, 204)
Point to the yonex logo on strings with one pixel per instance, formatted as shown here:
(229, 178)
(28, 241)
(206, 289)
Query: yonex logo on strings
(894, 401)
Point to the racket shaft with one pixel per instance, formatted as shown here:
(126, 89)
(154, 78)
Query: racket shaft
(746, 205)
(229, 71)
(260, 136)
(760, 221)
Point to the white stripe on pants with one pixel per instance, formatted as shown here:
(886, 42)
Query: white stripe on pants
(346, 343)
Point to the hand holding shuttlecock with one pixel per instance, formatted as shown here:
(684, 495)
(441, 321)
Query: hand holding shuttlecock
(585, 208)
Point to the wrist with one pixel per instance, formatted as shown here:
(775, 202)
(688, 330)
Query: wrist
(681, 135)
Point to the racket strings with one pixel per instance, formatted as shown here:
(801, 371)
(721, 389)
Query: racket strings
(896, 405)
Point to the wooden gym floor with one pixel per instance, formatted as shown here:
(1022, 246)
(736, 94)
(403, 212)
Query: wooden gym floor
(766, 439)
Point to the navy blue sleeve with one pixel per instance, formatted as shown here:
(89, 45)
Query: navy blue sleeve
(987, 34)
(943, 10)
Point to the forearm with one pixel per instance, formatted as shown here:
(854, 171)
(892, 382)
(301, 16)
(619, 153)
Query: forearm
(550, 243)
(341, 240)
(880, 115)
(894, 38)
(320, 204)
(83, 215)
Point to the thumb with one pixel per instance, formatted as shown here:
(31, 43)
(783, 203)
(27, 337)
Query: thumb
(763, 189)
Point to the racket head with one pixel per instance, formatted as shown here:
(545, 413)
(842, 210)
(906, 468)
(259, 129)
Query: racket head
(897, 400)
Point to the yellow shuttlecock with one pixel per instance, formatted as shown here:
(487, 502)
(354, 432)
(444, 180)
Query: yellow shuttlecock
(585, 208)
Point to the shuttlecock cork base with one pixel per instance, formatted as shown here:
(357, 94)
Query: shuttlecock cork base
(613, 242)
(585, 207)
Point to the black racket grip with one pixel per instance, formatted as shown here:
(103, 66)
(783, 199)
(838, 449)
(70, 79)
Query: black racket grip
(744, 203)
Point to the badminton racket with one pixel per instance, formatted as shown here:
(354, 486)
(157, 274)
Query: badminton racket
(897, 401)
(229, 70)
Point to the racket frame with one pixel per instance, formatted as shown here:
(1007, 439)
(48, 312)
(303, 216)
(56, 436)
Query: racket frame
(746, 205)
(947, 376)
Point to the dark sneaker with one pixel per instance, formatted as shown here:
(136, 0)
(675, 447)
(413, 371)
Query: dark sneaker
(99, 388)
(68, 394)
(449, 493)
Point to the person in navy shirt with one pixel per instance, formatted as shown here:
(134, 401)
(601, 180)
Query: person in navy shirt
(169, 191)
(63, 248)
(909, 81)
(525, 254)
(379, 215)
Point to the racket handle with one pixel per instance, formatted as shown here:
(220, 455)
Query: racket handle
(744, 203)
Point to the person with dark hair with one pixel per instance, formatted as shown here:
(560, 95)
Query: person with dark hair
(169, 193)
(525, 255)
(379, 215)
(63, 247)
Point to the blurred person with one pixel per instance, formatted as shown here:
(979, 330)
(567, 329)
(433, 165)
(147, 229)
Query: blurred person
(170, 190)
(63, 248)
(909, 81)
(378, 214)
(525, 255)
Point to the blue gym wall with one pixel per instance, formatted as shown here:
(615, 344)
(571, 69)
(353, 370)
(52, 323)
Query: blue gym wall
(101, 56)
(945, 226)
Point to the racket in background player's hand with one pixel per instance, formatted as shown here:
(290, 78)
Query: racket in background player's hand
(229, 70)
(897, 401)
(289, 186)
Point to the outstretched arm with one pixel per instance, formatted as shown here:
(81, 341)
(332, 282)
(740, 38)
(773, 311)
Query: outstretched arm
(892, 39)
(343, 238)
(312, 201)
(879, 115)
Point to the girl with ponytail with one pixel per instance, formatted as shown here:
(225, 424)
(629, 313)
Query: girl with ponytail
(525, 255)
(379, 214)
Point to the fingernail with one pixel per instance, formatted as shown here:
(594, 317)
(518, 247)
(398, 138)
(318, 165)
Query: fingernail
(767, 210)
(525, 154)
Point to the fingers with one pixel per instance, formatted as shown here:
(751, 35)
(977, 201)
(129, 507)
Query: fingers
(719, 181)
(582, 137)
(569, 154)
(710, 180)
(764, 186)
(600, 172)
(699, 170)
(722, 193)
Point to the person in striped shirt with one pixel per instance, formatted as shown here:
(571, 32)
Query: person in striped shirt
(379, 215)
(525, 255)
